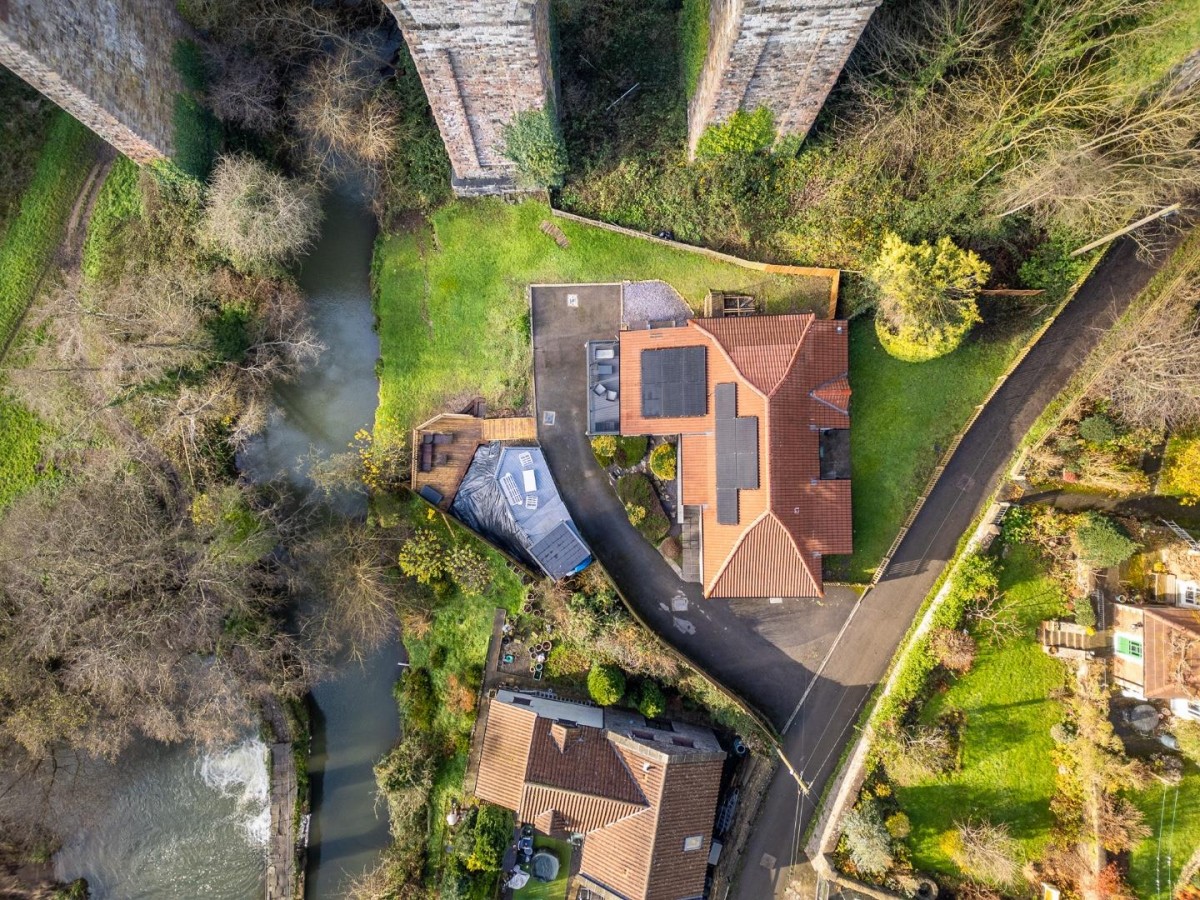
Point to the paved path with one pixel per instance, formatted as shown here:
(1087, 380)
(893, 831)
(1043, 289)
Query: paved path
(822, 726)
(765, 653)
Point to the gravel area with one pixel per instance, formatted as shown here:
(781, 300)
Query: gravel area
(652, 301)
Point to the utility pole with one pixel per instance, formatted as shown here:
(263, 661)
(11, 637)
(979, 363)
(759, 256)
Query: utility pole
(1165, 211)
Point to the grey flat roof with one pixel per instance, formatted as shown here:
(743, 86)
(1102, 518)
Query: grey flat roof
(674, 382)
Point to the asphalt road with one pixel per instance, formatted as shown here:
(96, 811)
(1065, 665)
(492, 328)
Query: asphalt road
(823, 724)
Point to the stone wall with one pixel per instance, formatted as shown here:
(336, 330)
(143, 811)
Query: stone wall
(781, 54)
(482, 62)
(106, 62)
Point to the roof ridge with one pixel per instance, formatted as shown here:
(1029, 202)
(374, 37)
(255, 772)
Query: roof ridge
(728, 356)
(792, 361)
(799, 544)
(737, 545)
(817, 392)
(644, 804)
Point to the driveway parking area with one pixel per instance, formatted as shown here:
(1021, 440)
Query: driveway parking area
(765, 653)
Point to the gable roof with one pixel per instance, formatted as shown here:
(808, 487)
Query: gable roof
(791, 375)
(635, 792)
(1172, 653)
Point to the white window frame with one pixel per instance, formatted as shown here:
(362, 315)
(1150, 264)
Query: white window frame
(1132, 638)
(1182, 589)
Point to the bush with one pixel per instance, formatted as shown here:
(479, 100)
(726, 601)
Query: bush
(867, 840)
(606, 684)
(631, 450)
(1097, 429)
(533, 142)
(898, 826)
(742, 134)
(927, 296)
(469, 570)
(417, 700)
(1101, 542)
(636, 514)
(604, 448)
(635, 490)
(1017, 527)
(693, 42)
(651, 701)
(118, 203)
(984, 851)
(492, 829)
(918, 753)
(953, 648)
(257, 217)
(1085, 614)
(423, 557)
(662, 462)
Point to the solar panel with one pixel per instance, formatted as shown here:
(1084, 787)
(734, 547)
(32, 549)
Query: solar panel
(737, 452)
(674, 382)
(727, 506)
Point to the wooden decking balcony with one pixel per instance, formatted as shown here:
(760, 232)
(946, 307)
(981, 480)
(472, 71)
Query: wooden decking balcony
(453, 440)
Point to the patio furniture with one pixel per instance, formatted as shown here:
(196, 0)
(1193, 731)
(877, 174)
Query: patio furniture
(443, 438)
(426, 457)
(430, 494)
(611, 395)
(441, 459)
(544, 866)
(427, 438)
(598, 390)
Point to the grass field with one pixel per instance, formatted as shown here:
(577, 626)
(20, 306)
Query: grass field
(20, 448)
(1173, 815)
(548, 890)
(1007, 771)
(453, 313)
(118, 203)
(903, 417)
(37, 229)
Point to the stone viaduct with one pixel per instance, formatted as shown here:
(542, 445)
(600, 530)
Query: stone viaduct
(108, 63)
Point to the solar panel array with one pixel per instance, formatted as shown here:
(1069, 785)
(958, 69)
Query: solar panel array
(674, 382)
(737, 452)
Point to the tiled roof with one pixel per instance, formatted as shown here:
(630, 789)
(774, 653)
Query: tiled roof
(792, 375)
(635, 793)
(1172, 653)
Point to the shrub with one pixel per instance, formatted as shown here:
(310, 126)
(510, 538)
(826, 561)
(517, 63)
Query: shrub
(606, 684)
(918, 753)
(662, 462)
(693, 42)
(1085, 614)
(492, 830)
(1017, 527)
(1183, 472)
(423, 557)
(1101, 542)
(604, 448)
(742, 134)
(953, 648)
(469, 570)
(257, 217)
(984, 851)
(636, 514)
(533, 142)
(631, 450)
(651, 701)
(898, 826)
(197, 136)
(567, 662)
(1097, 429)
(867, 840)
(417, 700)
(927, 296)
(636, 490)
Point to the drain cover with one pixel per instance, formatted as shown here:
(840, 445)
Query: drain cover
(548, 417)
(572, 299)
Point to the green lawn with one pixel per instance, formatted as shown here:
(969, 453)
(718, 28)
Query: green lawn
(1007, 771)
(903, 417)
(549, 890)
(452, 306)
(1173, 815)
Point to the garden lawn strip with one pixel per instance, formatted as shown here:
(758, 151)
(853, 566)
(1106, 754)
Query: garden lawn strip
(1173, 817)
(1007, 771)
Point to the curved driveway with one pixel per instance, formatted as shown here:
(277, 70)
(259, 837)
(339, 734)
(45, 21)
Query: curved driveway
(809, 667)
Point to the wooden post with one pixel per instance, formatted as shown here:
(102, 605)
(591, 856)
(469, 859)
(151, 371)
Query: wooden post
(1165, 211)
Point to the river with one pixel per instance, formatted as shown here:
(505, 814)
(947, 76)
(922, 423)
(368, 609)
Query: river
(172, 822)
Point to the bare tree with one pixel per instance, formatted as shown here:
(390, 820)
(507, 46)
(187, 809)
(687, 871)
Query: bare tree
(246, 90)
(344, 113)
(989, 611)
(953, 648)
(1153, 378)
(986, 851)
(258, 217)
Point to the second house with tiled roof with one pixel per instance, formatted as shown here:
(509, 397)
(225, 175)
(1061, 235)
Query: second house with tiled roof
(761, 406)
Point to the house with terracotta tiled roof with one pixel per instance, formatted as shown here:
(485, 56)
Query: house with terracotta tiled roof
(761, 408)
(638, 797)
(1156, 654)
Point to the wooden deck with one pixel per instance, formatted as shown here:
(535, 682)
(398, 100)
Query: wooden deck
(451, 460)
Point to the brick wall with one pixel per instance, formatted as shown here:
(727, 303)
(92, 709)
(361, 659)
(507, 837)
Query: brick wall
(482, 62)
(782, 54)
(106, 62)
